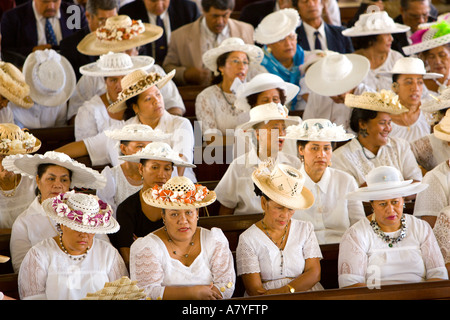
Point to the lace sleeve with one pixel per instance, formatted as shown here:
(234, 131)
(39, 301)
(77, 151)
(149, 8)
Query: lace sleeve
(424, 153)
(222, 266)
(442, 232)
(118, 269)
(246, 258)
(32, 276)
(431, 255)
(204, 111)
(430, 201)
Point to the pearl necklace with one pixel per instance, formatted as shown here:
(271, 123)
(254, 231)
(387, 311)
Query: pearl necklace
(12, 194)
(67, 252)
(390, 241)
(279, 246)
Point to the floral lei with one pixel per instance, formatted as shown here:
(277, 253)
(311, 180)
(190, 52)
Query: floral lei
(63, 210)
(192, 196)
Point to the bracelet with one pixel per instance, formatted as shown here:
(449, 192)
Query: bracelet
(291, 288)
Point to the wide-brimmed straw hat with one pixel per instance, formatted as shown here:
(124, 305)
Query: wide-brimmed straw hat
(50, 76)
(116, 64)
(120, 289)
(435, 35)
(260, 83)
(137, 82)
(254, 53)
(283, 184)
(336, 74)
(386, 182)
(4, 259)
(13, 86)
(158, 151)
(81, 212)
(120, 33)
(383, 101)
(410, 65)
(179, 193)
(437, 103)
(14, 140)
(267, 112)
(82, 176)
(276, 26)
(137, 132)
(317, 130)
(442, 129)
(373, 23)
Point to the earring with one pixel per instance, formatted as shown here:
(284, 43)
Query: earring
(363, 133)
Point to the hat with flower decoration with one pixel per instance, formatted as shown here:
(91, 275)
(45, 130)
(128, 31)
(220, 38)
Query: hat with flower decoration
(14, 140)
(383, 101)
(433, 36)
(317, 130)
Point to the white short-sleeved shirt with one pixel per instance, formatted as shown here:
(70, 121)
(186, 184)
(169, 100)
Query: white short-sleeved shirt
(236, 189)
(396, 153)
(377, 82)
(417, 130)
(39, 116)
(214, 264)
(331, 214)
(365, 258)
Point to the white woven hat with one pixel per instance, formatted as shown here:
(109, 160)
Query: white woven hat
(117, 64)
(14, 140)
(372, 23)
(120, 289)
(410, 65)
(283, 184)
(50, 76)
(386, 182)
(179, 193)
(81, 212)
(82, 176)
(336, 74)
(13, 86)
(158, 151)
(267, 112)
(383, 101)
(317, 130)
(276, 26)
(260, 83)
(442, 129)
(137, 132)
(254, 53)
(437, 103)
(433, 36)
(313, 56)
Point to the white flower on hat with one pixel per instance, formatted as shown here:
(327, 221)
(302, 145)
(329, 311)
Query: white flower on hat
(388, 97)
(62, 209)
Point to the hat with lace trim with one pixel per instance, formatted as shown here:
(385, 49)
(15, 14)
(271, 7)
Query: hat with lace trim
(437, 103)
(179, 193)
(14, 140)
(283, 184)
(383, 101)
(276, 26)
(120, 33)
(50, 76)
(81, 212)
(27, 165)
(432, 36)
(116, 64)
(13, 86)
(386, 182)
(442, 129)
(317, 130)
(137, 132)
(410, 65)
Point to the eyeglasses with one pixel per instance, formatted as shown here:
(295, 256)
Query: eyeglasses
(238, 62)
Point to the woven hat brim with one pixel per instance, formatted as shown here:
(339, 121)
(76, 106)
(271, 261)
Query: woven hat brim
(8, 152)
(304, 201)
(24, 102)
(426, 45)
(356, 102)
(158, 203)
(441, 134)
(92, 46)
(139, 63)
(433, 105)
(328, 88)
(352, 32)
(137, 158)
(345, 137)
(112, 226)
(368, 194)
(428, 75)
(10, 79)
(115, 135)
(290, 120)
(82, 176)
(120, 105)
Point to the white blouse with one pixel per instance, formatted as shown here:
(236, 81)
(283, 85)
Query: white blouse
(417, 130)
(442, 232)
(331, 214)
(12, 207)
(365, 258)
(236, 189)
(47, 273)
(378, 82)
(256, 253)
(39, 116)
(154, 269)
(430, 151)
(396, 153)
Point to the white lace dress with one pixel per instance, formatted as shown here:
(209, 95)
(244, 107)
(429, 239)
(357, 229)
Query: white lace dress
(365, 258)
(442, 232)
(154, 269)
(417, 130)
(430, 151)
(47, 273)
(256, 253)
(378, 82)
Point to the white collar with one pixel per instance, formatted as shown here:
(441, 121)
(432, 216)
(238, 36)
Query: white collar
(209, 33)
(309, 30)
(40, 17)
(324, 181)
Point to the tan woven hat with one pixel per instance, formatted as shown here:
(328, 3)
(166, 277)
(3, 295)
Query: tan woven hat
(4, 259)
(14, 140)
(437, 103)
(442, 129)
(284, 185)
(179, 193)
(383, 101)
(120, 289)
(13, 86)
(119, 34)
(136, 82)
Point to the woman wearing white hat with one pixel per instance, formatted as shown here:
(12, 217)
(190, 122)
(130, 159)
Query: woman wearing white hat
(214, 106)
(188, 262)
(54, 173)
(442, 232)
(373, 146)
(16, 191)
(267, 123)
(279, 254)
(156, 164)
(73, 263)
(331, 214)
(389, 246)
(93, 117)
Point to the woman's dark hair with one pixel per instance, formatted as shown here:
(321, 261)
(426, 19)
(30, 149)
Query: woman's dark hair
(251, 99)
(303, 143)
(42, 169)
(364, 42)
(144, 161)
(259, 193)
(129, 112)
(221, 61)
(363, 115)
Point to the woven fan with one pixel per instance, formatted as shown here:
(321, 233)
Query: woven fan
(121, 289)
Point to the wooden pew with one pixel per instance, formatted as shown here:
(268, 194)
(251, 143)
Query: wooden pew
(53, 138)
(9, 285)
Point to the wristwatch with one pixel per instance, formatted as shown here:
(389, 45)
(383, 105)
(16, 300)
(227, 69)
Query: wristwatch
(291, 288)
